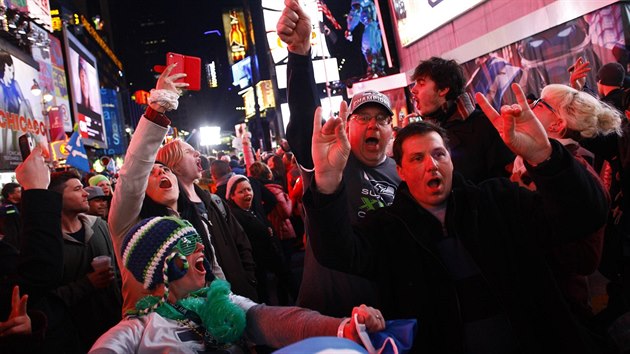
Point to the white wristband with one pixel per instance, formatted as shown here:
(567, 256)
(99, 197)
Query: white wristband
(341, 326)
(165, 98)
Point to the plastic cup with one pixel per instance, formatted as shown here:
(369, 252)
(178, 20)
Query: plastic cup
(101, 262)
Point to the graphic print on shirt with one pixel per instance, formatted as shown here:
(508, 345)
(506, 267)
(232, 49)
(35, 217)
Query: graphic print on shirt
(374, 194)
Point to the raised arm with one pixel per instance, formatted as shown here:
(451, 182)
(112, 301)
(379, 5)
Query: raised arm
(522, 132)
(294, 28)
(331, 150)
(140, 156)
(40, 263)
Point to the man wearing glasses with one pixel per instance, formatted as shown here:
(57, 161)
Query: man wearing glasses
(370, 176)
(476, 148)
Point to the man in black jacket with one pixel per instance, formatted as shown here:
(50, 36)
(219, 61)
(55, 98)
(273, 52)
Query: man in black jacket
(370, 175)
(466, 260)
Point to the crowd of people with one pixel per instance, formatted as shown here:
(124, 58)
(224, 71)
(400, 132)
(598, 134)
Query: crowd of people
(482, 225)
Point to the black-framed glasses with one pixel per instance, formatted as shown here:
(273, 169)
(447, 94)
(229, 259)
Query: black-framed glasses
(544, 103)
(381, 119)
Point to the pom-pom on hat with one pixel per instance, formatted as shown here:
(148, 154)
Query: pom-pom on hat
(147, 246)
(96, 179)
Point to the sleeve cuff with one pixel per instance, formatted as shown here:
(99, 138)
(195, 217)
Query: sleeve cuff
(157, 117)
(553, 164)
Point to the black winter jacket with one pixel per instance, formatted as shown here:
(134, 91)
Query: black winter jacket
(505, 228)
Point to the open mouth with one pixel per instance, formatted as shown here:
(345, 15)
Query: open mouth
(165, 183)
(199, 167)
(199, 265)
(434, 182)
(371, 141)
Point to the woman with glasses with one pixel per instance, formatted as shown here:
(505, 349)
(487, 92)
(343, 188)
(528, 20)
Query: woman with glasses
(570, 116)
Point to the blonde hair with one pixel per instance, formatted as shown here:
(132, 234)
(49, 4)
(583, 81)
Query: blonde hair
(171, 154)
(582, 112)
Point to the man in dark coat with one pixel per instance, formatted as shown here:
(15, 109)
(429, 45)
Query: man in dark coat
(466, 260)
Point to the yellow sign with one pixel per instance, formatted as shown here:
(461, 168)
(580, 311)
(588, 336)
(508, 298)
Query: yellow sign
(101, 42)
(266, 99)
(58, 149)
(249, 99)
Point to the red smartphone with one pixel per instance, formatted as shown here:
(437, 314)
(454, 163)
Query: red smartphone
(189, 65)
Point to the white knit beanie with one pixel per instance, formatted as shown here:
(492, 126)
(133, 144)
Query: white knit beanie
(232, 182)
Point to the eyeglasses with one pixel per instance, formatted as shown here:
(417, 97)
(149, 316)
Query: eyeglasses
(544, 103)
(188, 244)
(381, 119)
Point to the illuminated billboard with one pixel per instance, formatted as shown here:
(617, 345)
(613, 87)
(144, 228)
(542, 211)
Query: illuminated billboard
(272, 9)
(235, 34)
(85, 93)
(20, 109)
(242, 73)
(417, 18)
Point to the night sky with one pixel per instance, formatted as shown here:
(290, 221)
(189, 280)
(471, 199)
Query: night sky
(182, 24)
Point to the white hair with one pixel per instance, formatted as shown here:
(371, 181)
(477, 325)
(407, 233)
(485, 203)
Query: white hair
(582, 112)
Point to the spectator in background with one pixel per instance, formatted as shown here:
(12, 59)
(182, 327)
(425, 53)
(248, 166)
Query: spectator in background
(265, 244)
(97, 201)
(221, 173)
(10, 224)
(477, 150)
(610, 79)
(235, 166)
(11, 193)
(279, 173)
(293, 171)
(103, 182)
(88, 293)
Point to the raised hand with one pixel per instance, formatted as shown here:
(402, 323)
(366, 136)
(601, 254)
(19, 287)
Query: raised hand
(167, 90)
(330, 149)
(33, 173)
(294, 28)
(521, 131)
(18, 321)
(166, 81)
(579, 71)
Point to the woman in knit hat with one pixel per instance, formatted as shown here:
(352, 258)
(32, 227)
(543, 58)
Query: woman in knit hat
(166, 254)
(103, 182)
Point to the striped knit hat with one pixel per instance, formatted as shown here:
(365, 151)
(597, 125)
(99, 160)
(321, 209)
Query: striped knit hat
(148, 248)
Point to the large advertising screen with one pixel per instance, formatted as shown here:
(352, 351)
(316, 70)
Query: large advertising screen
(417, 18)
(20, 109)
(85, 93)
(544, 58)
